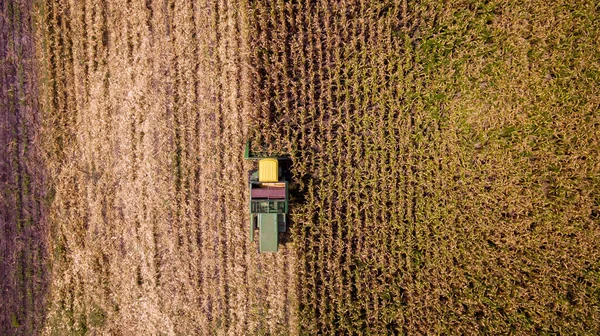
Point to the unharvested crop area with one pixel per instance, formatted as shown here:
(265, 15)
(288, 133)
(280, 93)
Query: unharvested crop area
(447, 155)
(444, 160)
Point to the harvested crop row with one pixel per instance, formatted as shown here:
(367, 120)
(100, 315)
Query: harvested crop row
(146, 125)
(23, 270)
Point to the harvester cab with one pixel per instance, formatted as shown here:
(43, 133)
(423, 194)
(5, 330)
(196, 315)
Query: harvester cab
(268, 200)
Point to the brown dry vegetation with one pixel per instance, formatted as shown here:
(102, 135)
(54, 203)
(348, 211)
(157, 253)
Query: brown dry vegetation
(445, 166)
(447, 157)
(146, 121)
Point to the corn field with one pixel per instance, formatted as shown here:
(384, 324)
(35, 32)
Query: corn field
(447, 159)
(444, 163)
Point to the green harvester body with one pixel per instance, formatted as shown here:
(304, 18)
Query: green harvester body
(268, 200)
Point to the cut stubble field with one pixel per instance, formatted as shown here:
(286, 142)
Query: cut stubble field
(445, 172)
(147, 119)
(23, 249)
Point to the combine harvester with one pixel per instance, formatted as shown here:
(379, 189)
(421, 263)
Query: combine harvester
(268, 200)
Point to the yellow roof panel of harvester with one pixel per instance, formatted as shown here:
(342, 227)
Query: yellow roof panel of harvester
(268, 170)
